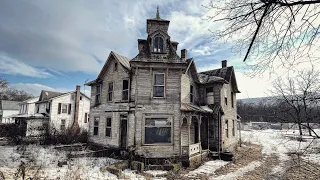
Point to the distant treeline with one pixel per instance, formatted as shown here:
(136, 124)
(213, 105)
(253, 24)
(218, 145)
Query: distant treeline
(270, 112)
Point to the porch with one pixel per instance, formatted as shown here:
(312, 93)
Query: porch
(200, 130)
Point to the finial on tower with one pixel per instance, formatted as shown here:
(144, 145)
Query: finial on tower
(158, 14)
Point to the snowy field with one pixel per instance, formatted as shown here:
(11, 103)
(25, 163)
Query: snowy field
(43, 162)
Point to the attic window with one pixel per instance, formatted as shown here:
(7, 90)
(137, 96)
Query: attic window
(115, 67)
(158, 44)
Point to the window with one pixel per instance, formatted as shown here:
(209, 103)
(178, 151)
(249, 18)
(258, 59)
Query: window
(98, 94)
(125, 90)
(110, 91)
(108, 127)
(225, 97)
(72, 97)
(63, 125)
(157, 130)
(115, 67)
(85, 117)
(158, 87)
(232, 103)
(233, 128)
(64, 108)
(226, 128)
(191, 94)
(80, 98)
(210, 95)
(96, 126)
(158, 44)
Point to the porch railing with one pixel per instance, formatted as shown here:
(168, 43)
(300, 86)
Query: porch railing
(194, 148)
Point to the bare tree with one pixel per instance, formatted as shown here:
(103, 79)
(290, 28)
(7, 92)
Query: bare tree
(8, 93)
(272, 33)
(299, 99)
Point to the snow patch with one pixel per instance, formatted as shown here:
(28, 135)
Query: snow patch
(207, 168)
(240, 172)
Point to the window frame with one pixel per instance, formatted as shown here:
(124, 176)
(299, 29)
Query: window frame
(232, 99)
(108, 127)
(191, 93)
(156, 48)
(169, 118)
(115, 67)
(110, 92)
(154, 85)
(233, 128)
(226, 128)
(62, 124)
(128, 90)
(207, 94)
(64, 104)
(98, 95)
(96, 119)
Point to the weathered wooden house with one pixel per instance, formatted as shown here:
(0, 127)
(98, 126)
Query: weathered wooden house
(159, 106)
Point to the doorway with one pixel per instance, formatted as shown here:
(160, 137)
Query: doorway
(123, 132)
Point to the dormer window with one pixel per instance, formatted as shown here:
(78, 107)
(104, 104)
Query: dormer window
(158, 44)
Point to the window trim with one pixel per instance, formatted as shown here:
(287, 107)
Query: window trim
(106, 126)
(191, 96)
(153, 44)
(226, 128)
(110, 91)
(98, 94)
(67, 105)
(164, 85)
(65, 122)
(170, 117)
(94, 126)
(126, 100)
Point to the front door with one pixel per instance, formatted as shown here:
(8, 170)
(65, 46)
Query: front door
(123, 133)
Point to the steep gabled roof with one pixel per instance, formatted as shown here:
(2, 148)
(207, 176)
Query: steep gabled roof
(9, 105)
(227, 73)
(124, 61)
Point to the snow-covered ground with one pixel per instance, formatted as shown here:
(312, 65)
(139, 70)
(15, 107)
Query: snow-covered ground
(284, 142)
(45, 160)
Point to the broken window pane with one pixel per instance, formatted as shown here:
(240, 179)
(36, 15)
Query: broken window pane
(158, 91)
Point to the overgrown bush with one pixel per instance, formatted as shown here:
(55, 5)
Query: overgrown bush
(68, 136)
(12, 132)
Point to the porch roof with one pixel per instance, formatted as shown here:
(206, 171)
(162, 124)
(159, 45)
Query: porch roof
(192, 107)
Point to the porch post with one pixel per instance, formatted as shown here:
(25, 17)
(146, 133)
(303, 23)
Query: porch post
(189, 123)
(199, 130)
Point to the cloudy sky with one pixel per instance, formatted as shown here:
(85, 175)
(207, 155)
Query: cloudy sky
(55, 45)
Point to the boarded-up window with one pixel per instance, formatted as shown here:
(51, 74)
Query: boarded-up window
(191, 94)
(98, 94)
(125, 90)
(64, 108)
(110, 91)
(59, 108)
(108, 127)
(157, 130)
(85, 117)
(63, 125)
(226, 128)
(96, 126)
(158, 87)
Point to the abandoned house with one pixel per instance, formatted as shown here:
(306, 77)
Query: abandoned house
(157, 104)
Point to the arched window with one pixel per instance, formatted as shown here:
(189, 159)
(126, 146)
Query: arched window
(158, 44)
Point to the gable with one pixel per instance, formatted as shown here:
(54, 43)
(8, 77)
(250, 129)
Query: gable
(121, 60)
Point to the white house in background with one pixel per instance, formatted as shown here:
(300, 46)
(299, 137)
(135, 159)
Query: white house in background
(27, 107)
(7, 109)
(64, 110)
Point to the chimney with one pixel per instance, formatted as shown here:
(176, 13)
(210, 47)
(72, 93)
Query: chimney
(76, 108)
(224, 63)
(184, 54)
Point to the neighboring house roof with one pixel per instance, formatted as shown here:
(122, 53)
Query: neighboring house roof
(48, 95)
(31, 100)
(9, 105)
